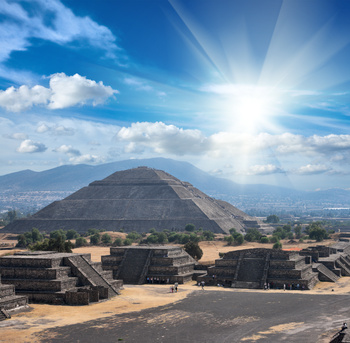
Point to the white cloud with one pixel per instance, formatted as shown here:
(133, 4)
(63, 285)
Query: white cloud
(87, 158)
(313, 169)
(28, 146)
(161, 138)
(42, 128)
(51, 21)
(264, 170)
(69, 91)
(67, 149)
(65, 91)
(23, 98)
(17, 136)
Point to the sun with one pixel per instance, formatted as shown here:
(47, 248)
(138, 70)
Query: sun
(252, 108)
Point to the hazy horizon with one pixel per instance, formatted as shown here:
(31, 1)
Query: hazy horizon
(252, 91)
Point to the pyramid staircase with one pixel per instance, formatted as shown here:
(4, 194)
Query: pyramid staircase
(156, 264)
(57, 278)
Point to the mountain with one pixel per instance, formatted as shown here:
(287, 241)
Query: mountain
(73, 177)
(33, 190)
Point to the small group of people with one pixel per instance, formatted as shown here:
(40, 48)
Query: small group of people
(292, 286)
(173, 288)
(157, 280)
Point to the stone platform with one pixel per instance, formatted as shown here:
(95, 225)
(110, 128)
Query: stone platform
(253, 268)
(9, 301)
(154, 264)
(58, 278)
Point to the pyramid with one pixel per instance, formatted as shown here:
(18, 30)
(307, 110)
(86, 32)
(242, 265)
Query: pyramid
(137, 199)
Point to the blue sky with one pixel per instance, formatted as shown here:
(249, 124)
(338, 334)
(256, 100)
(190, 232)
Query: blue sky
(254, 91)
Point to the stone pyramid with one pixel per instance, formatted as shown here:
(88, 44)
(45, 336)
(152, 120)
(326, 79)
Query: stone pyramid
(137, 200)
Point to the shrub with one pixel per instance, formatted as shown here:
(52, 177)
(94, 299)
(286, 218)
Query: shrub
(274, 239)
(72, 234)
(272, 219)
(233, 231)
(264, 240)
(239, 239)
(80, 242)
(253, 235)
(118, 242)
(194, 250)
(229, 240)
(277, 245)
(134, 236)
(190, 227)
(91, 232)
(95, 239)
(208, 235)
(127, 241)
(106, 238)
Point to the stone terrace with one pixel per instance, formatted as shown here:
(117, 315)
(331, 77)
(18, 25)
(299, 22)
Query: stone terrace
(58, 278)
(252, 268)
(137, 264)
(9, 301)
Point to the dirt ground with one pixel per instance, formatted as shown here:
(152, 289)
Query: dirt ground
(26, 326)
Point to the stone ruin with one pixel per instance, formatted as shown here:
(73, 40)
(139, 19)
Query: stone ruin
(156, 264)
(58, 278)
(137, 199)
(330, 262)
(9, 301)
(253, 268)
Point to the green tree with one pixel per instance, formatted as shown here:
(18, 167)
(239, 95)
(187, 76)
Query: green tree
(277, 245)
(297, 231)
(190, 227)
(118, 242)
(253, 235)
(194, 250)
(273, 219)
(229, 239)
(92, 231)
(208, 235)
(72, 234)
(127, 241)
(274, 239)
(318, 233)
(95, 239)
(58, 233)
(239, 239)
(21, 241)
(134, 236)
(36, 235)
(106, 238)
(80, 242)
(152, 239)
(233, 231)
(162, 238)
(264, 240)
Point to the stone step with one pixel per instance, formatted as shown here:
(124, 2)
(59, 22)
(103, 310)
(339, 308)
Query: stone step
(4, 314)
(90, 275)
(42, 285)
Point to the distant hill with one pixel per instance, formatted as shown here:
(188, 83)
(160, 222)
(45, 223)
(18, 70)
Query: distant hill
(63, 180)
(73, 177)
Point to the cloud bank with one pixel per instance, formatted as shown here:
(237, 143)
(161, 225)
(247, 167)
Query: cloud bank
(64, 91)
